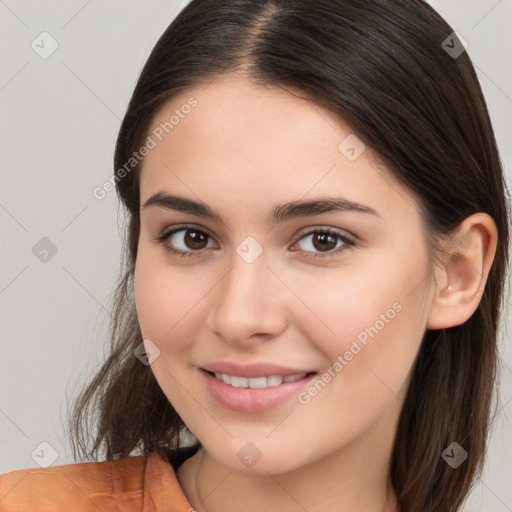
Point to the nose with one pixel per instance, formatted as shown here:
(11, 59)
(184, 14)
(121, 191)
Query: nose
(248, 304)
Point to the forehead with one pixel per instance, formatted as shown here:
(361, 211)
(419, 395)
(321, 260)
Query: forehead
(232, 138)
(233, 116)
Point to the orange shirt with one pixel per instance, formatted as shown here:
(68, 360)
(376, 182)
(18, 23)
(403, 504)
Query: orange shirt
(132, 484)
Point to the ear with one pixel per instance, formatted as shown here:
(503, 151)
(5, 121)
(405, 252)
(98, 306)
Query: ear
(462, 272)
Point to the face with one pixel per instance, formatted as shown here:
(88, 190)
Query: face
(324, 305)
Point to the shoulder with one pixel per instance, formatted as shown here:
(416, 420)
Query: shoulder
(130, 484)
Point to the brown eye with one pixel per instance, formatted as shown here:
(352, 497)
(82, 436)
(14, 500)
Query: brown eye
(324, 241)
(194, 239)
(184, 241)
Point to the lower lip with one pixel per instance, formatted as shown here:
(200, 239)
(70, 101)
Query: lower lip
(249, 400)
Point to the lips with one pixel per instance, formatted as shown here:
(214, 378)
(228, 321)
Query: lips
(253, 388)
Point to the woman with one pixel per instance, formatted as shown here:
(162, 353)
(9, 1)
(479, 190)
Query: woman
(316, 251)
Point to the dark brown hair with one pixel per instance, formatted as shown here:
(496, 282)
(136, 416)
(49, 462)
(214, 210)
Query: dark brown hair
(381, 67)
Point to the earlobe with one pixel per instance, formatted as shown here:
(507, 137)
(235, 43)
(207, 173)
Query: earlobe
(462, 272)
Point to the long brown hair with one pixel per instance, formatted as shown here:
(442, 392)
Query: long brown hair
(380, 65)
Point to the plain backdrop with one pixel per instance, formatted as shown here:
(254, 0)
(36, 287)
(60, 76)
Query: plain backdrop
(60, 248)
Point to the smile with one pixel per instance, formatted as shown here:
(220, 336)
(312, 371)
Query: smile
(257, 382)
(255, 394)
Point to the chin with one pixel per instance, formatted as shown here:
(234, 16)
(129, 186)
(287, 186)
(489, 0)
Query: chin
(258, 458)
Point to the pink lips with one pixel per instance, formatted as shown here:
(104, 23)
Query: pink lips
(249, 400)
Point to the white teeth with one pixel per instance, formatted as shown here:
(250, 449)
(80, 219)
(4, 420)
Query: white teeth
(256, 382)
(274, 380)
(239, 382)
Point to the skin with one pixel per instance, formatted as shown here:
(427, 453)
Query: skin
(242, 150)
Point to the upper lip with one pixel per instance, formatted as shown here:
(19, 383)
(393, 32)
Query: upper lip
(252, 370)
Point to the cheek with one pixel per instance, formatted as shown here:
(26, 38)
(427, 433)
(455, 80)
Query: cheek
(163, 295)
(153, 305)
(363, 300)
(369, 361)
(164, 300)
(369, 325)
(171, 303)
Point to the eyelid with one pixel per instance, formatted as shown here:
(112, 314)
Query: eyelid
(166, 233)
(348, 238)
(333, 253)
(303, 232)
(327, 229)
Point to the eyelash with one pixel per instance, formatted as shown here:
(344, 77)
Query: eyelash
(162, 237)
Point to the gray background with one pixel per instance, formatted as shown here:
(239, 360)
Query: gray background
(59, 119)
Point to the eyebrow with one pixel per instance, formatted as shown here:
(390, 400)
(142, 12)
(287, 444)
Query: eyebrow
(281, 213)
